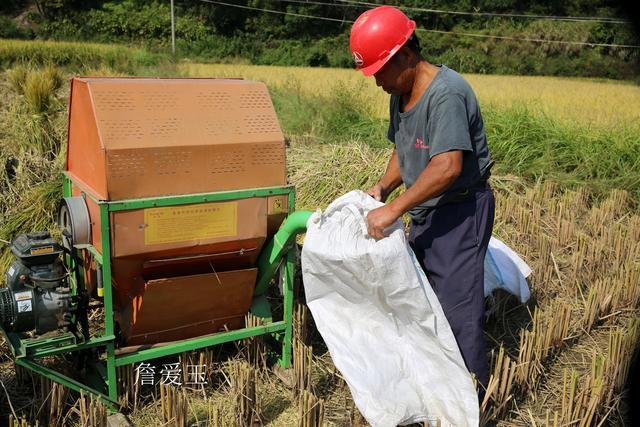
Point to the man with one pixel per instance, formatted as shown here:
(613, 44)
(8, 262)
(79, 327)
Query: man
(441, 156)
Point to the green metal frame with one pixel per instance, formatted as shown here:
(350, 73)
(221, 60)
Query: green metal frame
(278, 253)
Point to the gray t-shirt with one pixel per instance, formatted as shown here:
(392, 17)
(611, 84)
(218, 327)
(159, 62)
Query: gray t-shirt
(447, 117)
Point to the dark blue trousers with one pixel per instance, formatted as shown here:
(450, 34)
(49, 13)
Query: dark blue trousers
(450, 245)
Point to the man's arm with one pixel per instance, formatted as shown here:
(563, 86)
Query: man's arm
(389, 181)
(442, 171)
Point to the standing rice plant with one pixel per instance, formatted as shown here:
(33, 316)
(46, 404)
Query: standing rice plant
(349, 116)
(344, 116)
(30, 187)
(601, 104)
(39, 90)
(75, 55)
(20, 176)
(34, 114)
(523, 140)
(533, 145)
(17, 77)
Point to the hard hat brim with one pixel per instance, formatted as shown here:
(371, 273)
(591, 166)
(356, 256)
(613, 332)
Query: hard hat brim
(375, 67)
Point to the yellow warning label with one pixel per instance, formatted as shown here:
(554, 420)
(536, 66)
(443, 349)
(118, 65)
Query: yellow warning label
(42, 250)
(190, 222)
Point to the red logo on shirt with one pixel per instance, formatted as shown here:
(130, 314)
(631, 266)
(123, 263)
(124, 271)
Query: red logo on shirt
(420, 144)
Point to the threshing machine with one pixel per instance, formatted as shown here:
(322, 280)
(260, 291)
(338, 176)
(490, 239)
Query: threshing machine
(176, 216)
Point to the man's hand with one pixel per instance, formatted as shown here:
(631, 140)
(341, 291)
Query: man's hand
(389, 181)
(378, 219)
(378, 192)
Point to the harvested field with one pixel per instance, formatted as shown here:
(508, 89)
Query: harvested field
(561, 359)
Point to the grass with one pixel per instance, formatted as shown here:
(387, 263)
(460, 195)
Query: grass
(535, 145)
(338, 119)
(567, 196)
(74, 55)
(522, 141)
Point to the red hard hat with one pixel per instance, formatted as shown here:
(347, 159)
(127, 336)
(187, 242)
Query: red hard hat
(377, 35)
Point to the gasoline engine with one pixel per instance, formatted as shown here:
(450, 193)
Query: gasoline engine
(37, 295)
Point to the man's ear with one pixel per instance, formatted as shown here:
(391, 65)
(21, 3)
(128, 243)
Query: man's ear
(405, 55)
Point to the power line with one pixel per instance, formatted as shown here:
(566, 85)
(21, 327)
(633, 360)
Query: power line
(520, 39)
(280, 12)
(526, 39)
(320, 3)
(362, 4)
(504, 15)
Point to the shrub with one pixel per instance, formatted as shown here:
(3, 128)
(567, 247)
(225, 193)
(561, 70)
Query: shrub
(317, 59)
(126, 21)
(9, 29)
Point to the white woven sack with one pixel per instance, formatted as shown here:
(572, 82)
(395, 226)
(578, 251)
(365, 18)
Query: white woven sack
(382, 322)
